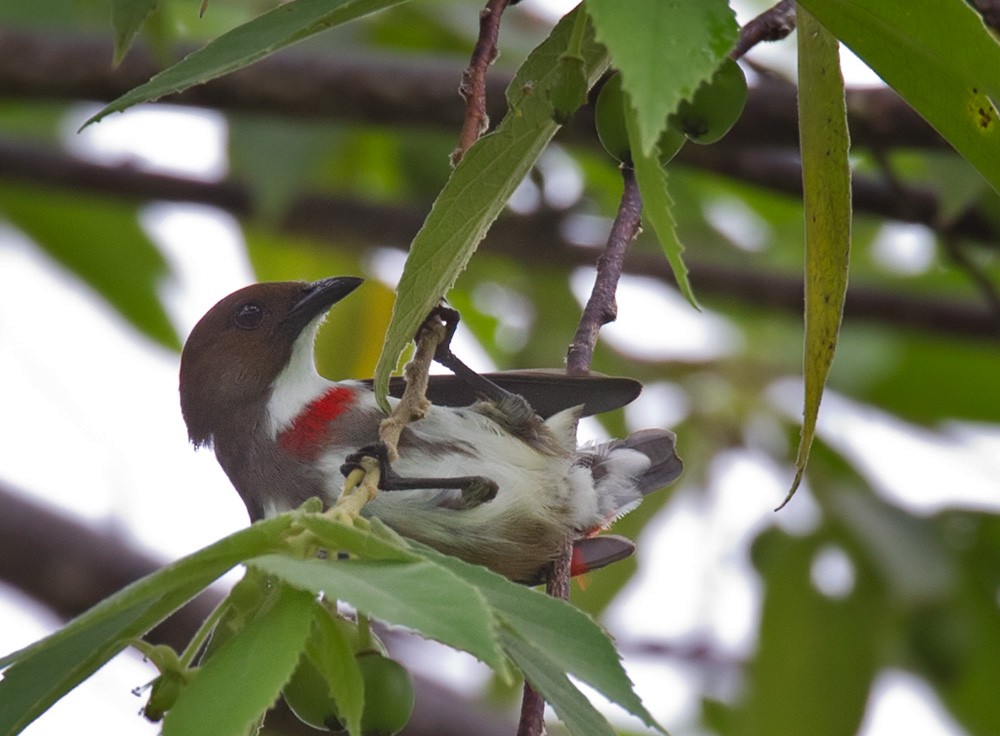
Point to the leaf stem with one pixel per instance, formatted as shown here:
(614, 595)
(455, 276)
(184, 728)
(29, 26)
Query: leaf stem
(575, 46)
(202, 634)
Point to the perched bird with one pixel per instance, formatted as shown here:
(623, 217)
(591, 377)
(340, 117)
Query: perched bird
(250, 389)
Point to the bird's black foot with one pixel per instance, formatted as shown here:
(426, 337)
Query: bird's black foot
(476, 489)
(443, 355)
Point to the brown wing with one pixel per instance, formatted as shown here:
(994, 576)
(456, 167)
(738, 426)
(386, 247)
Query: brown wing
(548, 391)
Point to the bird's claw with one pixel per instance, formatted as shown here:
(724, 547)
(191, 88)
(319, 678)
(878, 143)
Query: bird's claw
(449, 318)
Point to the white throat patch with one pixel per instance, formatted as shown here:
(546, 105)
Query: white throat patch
(298, 384)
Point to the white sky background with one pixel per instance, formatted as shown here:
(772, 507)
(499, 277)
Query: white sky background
(102, 436)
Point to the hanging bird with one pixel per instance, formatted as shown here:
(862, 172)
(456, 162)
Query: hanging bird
(249, 388)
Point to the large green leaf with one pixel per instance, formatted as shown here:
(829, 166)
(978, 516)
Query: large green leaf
(243, 678)
(331, 649)
(45, 671)
(826, 179)
(572, 706)
(479, 188)
(664, 50)
(102, 242)
(563, 636)
(939, 56)
(418, 594)
(285, 25)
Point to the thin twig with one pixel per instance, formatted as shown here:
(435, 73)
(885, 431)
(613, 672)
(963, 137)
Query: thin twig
(473, 88)
(601, 307)
(531, 721)
(773, 24)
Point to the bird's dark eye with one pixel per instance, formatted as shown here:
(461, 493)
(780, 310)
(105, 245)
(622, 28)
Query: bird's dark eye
(249, 316)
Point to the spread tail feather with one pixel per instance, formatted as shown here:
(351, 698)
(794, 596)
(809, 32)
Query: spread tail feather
(659, 446)
(625, 470)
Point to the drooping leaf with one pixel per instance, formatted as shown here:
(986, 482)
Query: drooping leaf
(419, 594)
(664, 50)
(479, 188)
(42, 673)
(576, 712)
(657, 206)
(127, 17)
(243, 678)
(572, 642)
(103, 244)
(826, 179)
(331, 651)
(285, 25)
(939, 57)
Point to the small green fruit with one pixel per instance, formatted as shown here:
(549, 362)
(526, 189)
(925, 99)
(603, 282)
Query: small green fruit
(609, 118)
(163, 694)
(671, 141)
(715, 106)
(388, 695)
(307, 693)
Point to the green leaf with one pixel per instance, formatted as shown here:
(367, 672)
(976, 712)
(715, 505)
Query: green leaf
(332, 651)
(35, 682)
(48, 669)
(826, 179)
(939, 57)
(658, 206)
(367, 545)
(285, 25)
(571, 641)
(100, 241)
(576, 712)
(479, 188)
(243, 678)
(664, 50)
(419, 594)
(127, 17)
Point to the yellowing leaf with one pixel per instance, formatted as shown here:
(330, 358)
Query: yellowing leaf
(826, 179)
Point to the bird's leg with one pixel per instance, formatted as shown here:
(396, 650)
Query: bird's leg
(476, 489)
(510, 410)
(443, 355)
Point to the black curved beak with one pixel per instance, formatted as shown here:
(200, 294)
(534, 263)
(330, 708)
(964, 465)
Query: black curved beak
(318, 297)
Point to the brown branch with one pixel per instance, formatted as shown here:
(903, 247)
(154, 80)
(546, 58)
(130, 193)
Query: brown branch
(359, 223)
(394, 91)
(473, 89)
(773, 24)
(601, 308)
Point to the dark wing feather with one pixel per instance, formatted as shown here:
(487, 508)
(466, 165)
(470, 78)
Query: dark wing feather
(548, 392)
